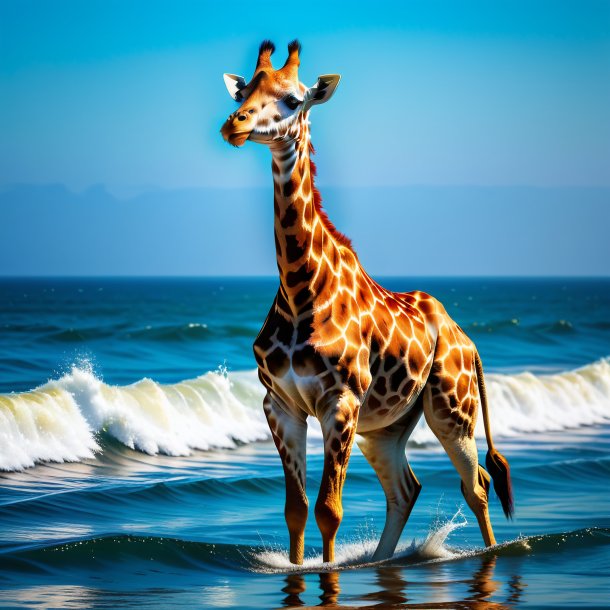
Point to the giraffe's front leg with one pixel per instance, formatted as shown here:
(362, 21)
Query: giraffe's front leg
(290, 436)
(338, 422)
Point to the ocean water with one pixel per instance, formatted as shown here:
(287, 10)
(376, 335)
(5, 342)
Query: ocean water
(136, 468)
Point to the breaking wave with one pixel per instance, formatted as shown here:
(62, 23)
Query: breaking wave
(68, 418)
(64, 419)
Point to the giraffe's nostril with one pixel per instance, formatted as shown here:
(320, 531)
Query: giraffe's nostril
(251, 111)
(241, 117)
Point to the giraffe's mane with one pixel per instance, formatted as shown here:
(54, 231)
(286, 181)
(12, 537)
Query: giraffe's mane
(342, 239)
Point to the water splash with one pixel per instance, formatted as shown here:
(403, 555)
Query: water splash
(359, 552)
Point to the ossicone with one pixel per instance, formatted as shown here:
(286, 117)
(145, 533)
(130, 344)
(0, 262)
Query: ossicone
(291, 67)
(265, 51)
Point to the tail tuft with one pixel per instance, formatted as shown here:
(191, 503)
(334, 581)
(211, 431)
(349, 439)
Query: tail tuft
(499, 470)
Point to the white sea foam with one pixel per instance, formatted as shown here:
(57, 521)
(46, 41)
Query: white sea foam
(62, 420)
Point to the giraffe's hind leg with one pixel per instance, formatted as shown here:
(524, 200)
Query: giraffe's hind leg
(290, 437)
(452, 419)
(385, 451)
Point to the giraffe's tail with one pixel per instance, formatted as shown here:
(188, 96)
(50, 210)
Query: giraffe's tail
(496, 463)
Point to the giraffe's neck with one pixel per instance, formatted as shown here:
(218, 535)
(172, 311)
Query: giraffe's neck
(308, 248)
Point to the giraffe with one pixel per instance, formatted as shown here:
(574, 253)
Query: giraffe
(339, 347)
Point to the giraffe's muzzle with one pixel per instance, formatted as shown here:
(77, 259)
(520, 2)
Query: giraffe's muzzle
(238, 126)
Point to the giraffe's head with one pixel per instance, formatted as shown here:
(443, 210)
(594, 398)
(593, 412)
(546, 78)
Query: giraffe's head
(273, 100)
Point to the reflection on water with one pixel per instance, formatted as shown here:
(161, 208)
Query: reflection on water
(295, 585)
(482, 591)
(391, 585)
(329, 583)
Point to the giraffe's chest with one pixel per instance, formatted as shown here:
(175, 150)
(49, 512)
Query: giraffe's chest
(289, 366)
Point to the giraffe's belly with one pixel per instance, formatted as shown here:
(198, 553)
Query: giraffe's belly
(385, 411)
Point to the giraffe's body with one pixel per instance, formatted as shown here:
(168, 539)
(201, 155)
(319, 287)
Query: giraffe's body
(339, 347)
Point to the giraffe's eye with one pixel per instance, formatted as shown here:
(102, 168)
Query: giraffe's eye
(292, 101)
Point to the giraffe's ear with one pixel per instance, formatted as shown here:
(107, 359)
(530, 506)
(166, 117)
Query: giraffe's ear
(234, 85)
(322, 91)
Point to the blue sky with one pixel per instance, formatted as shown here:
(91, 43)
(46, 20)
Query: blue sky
(448, 95)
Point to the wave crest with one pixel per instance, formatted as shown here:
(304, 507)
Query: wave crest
(64, 419)
(61, 420)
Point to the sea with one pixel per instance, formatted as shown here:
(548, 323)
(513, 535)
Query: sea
(137, 470)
